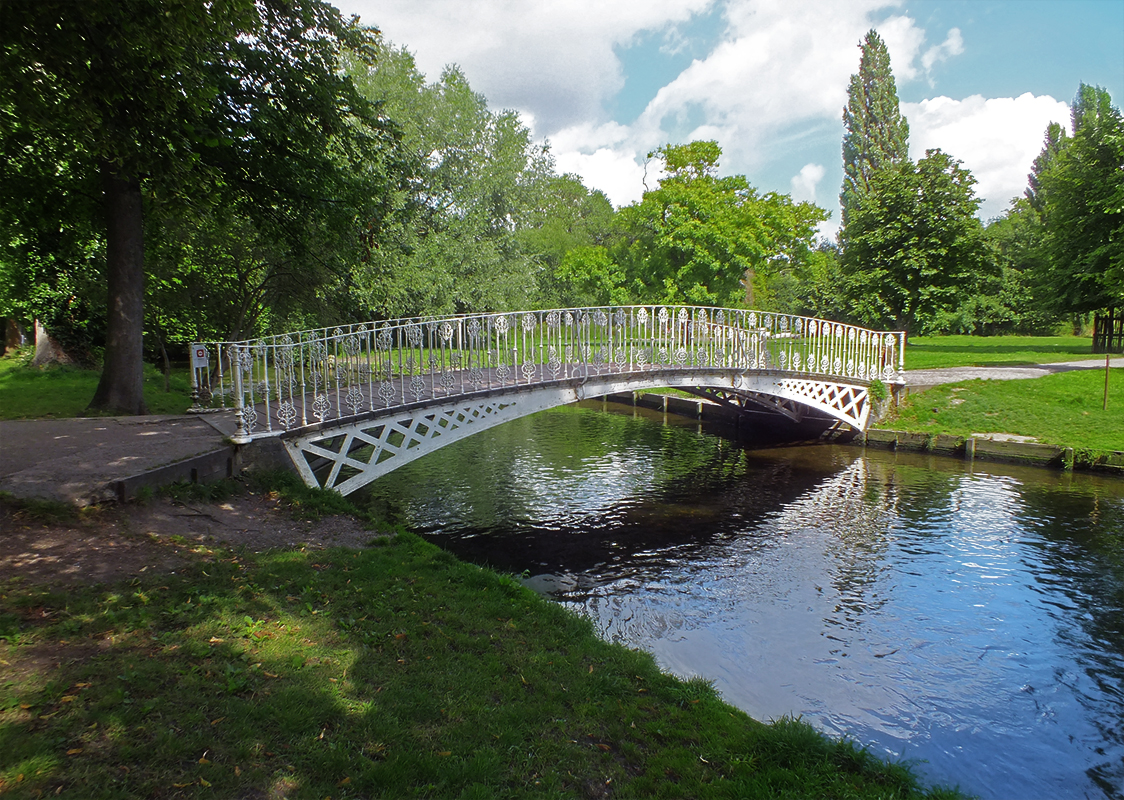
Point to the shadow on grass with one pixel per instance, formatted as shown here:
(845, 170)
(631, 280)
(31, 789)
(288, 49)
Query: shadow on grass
(388, 672)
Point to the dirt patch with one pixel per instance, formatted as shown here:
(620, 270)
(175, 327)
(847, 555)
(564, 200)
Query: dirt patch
(116, 542)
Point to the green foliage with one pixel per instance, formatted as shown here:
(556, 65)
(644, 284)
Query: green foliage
(479, 185)
(913, 247)
(699, 238)
(225, 127)
(1078, 184)
(877, 135)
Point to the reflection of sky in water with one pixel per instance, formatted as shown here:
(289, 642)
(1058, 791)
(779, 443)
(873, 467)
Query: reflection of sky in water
(973, 621)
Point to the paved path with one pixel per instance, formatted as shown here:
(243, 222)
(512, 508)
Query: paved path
(84, 461)
(924, 378)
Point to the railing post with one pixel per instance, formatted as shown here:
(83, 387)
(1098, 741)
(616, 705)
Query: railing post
(240, 434)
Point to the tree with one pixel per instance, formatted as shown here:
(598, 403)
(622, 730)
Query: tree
(1079, 186)
(877, 135)
(183, 100)
(701, 238)
(479, 183)
(913, 247)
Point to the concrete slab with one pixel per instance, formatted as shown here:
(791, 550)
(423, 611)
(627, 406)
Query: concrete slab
(84, 461)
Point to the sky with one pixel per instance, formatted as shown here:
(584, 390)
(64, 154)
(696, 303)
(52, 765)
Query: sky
(607, 81)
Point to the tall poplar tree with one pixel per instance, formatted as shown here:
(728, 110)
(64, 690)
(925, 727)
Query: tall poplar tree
(877, 134)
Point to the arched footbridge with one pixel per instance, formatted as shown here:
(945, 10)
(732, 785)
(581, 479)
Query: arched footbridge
(354, 402)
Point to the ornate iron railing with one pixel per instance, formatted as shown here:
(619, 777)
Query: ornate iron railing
(291, 380)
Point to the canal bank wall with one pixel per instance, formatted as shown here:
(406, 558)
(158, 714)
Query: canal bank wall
(982, 446)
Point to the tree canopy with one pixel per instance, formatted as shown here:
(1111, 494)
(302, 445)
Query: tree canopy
(702, 238)
(913, 247)
(146, 106)
(1078, 185)
(877, 135)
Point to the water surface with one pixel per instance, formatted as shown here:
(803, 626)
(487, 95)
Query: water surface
(969, 618)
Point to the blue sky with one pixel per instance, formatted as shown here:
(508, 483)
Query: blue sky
(605, 81)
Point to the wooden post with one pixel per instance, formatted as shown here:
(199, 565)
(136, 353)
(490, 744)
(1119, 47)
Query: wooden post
(1106, 358)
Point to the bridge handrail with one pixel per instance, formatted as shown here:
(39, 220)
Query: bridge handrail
(315, 375)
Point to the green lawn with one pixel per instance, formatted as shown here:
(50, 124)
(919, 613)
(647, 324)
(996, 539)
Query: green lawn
(1064, 409)
(27, 393)
(395, 671)
(927, 352)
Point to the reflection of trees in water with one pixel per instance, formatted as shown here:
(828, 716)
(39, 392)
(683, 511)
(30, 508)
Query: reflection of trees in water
(1080, 540)
(578, 491)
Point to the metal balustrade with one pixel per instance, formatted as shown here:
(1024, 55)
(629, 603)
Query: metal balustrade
(290, 381)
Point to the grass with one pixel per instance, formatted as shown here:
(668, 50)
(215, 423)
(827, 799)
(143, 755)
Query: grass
(928, 352)
(1064, 409)
(394, 671)
(61, 391)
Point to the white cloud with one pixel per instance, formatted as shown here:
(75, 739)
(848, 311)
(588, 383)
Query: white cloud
(953, 45)
(770, 88)
(804, 184)
(997, 139)
(554, 59)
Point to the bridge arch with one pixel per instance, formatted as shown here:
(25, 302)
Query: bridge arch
(355, 402)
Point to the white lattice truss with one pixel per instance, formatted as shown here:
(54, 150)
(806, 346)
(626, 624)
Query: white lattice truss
(347, 454)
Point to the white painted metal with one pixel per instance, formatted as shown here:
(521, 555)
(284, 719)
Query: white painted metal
(351, 453)
(331, 385)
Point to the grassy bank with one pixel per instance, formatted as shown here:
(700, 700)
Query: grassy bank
(27, 393)
(394, 671)
(1064, 409)
(928, 352)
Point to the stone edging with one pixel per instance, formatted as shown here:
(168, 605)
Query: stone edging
(969, 448)
(987, 448)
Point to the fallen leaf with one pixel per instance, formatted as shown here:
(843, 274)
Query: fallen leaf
(217, 721)
(68, 698)
(237, 771)
(270, 674)
(74, 751)
(204, 782)
(344, 782)
(180, 785)
(25, 706)
(82, 685)
(215, 640)
(204, 760)
(590, 669)
(604, 746)
(444, 752)
(399, 636)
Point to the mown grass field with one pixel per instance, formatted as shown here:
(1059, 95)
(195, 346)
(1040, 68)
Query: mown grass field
(63, 391)
(928, 352)
(1064, 409)
(395, 671)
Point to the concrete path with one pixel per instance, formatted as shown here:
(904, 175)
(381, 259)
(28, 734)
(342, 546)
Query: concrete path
(924, 378)
(91, 460)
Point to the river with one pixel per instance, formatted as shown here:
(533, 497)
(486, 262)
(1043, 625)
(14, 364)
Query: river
(969, 618)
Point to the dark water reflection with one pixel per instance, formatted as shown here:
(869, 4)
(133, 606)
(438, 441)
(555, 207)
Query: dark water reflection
(971, 619)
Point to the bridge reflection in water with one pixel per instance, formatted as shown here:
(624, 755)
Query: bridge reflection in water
(354, 402)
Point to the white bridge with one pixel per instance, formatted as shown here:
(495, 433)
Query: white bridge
(354, 402)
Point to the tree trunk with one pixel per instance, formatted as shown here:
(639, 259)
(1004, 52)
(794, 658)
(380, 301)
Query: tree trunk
(13, 334)
(47, 350)
(121, 388)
